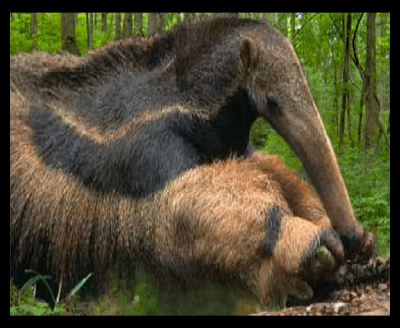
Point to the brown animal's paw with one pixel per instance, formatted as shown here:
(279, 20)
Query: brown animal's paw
(323, 258)
(321, 265)
(359, 247)
(366, 248)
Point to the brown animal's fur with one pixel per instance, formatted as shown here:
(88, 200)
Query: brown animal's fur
(210, 222)
(301, 200)
(135, 154)
(224, 205)
(174, 74)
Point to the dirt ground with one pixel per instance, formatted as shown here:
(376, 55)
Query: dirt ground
(355, 290)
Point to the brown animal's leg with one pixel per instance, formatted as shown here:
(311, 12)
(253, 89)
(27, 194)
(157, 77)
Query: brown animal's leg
(231, 219)
(300, 196)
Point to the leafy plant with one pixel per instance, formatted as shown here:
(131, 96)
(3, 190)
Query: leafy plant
(28, 305)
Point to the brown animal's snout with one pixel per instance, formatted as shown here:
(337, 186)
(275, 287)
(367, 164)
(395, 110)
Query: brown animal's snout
(279, 87)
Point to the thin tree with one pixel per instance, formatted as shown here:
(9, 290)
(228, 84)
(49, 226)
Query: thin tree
(34, 34)
(372, 103)
(293, 25)
(152, 24)
(68, 38)
(104, 22)
(89, 26)
(335, 99)
(347, 45)
(161, 22)
(188, 16)
(139, 24)
(117, 26)
(369, 88)
(127, 30)
(345, 96)
(284, 24)
(357, 63)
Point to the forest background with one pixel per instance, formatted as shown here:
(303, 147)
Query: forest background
(346, 57)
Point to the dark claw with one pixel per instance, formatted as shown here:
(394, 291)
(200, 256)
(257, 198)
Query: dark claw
(333, 244)
(367, 247)
(359, 247)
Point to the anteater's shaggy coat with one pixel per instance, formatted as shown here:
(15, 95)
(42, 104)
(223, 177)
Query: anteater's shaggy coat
(138, 153)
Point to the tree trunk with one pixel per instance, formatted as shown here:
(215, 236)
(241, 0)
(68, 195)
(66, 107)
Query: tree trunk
(89, 24)
(188, 16)
(349, 122)
(139, 24)
(335, 100)
(152, 24)
(377, 143)
(346, 78)
(284, 27)
(181, 17)
(91, 30)
(341, 129)
(388, 127)
(68, 38)
(104, 22)
(372, 104)
(127, 30)
(161, 22)
(276, 20)
(360, 116)
(293, 24)
(362, 75)
(110, 27)
(34, 34)
(87, 27)
(382, 131)
(117, 26)
(346, 37)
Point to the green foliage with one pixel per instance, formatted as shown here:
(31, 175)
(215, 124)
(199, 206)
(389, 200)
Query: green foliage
(49, 31)
(369, 190)
(26, 304)
(146, 299)
(19, 33)
(276, 145)
(259, 133)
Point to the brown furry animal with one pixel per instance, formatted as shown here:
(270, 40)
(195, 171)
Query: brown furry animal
(139, 153)
(230, 221)
(235, 218)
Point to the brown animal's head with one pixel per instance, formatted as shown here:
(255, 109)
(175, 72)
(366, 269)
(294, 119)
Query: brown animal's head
(275, 80)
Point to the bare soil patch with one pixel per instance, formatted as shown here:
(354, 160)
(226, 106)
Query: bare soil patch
(357, 289)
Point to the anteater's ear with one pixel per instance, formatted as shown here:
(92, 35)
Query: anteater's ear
(249, 53)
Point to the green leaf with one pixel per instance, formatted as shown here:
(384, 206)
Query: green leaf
(79, 285)
(26, 308)
(37, 278)
(59, 310)
(32, 281)
(39, 311)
